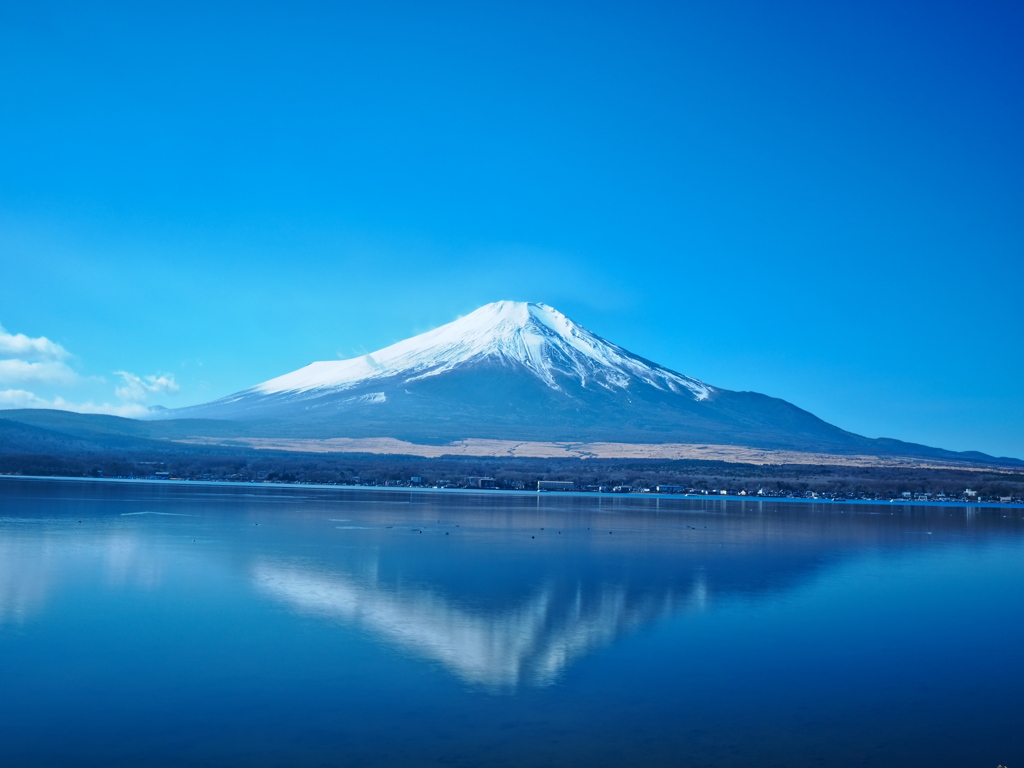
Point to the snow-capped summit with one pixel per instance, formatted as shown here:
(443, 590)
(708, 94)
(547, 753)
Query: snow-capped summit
(535, 336)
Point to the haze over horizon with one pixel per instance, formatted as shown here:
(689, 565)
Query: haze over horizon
(818, 204)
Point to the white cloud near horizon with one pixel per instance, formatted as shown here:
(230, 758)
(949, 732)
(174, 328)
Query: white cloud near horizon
(22, 347)
(20, 398)
(33, 360)
(137, 389)
(15, 371)
(28, 360)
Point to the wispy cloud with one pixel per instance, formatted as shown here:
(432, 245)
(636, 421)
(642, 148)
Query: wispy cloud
(137, 389)
(33, 360)
(20, 398)
(16, 371)
(27, 360)
(22, 347)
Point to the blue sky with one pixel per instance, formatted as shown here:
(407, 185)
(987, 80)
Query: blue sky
(818, 201)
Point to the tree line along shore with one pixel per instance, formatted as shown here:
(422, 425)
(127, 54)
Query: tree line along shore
(598, 475)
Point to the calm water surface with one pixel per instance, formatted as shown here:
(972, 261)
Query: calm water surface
(191, 624)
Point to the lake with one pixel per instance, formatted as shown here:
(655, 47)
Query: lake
(172, 624)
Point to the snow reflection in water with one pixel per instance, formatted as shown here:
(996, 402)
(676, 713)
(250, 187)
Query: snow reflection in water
(530, 643)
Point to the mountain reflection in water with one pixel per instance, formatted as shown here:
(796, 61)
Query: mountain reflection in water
(529, 643)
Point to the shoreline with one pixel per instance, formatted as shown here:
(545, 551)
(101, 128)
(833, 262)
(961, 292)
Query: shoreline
(491, 492)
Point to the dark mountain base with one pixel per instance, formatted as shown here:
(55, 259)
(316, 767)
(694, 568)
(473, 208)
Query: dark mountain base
(225, 464)
(57, 443)
(49, 431)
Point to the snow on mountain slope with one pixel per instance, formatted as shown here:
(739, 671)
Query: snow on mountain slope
(517, 371)
(535, 336)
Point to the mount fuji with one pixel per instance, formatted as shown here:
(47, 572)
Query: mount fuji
(522, 371)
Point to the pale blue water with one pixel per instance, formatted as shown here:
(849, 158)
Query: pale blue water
(190, 624)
